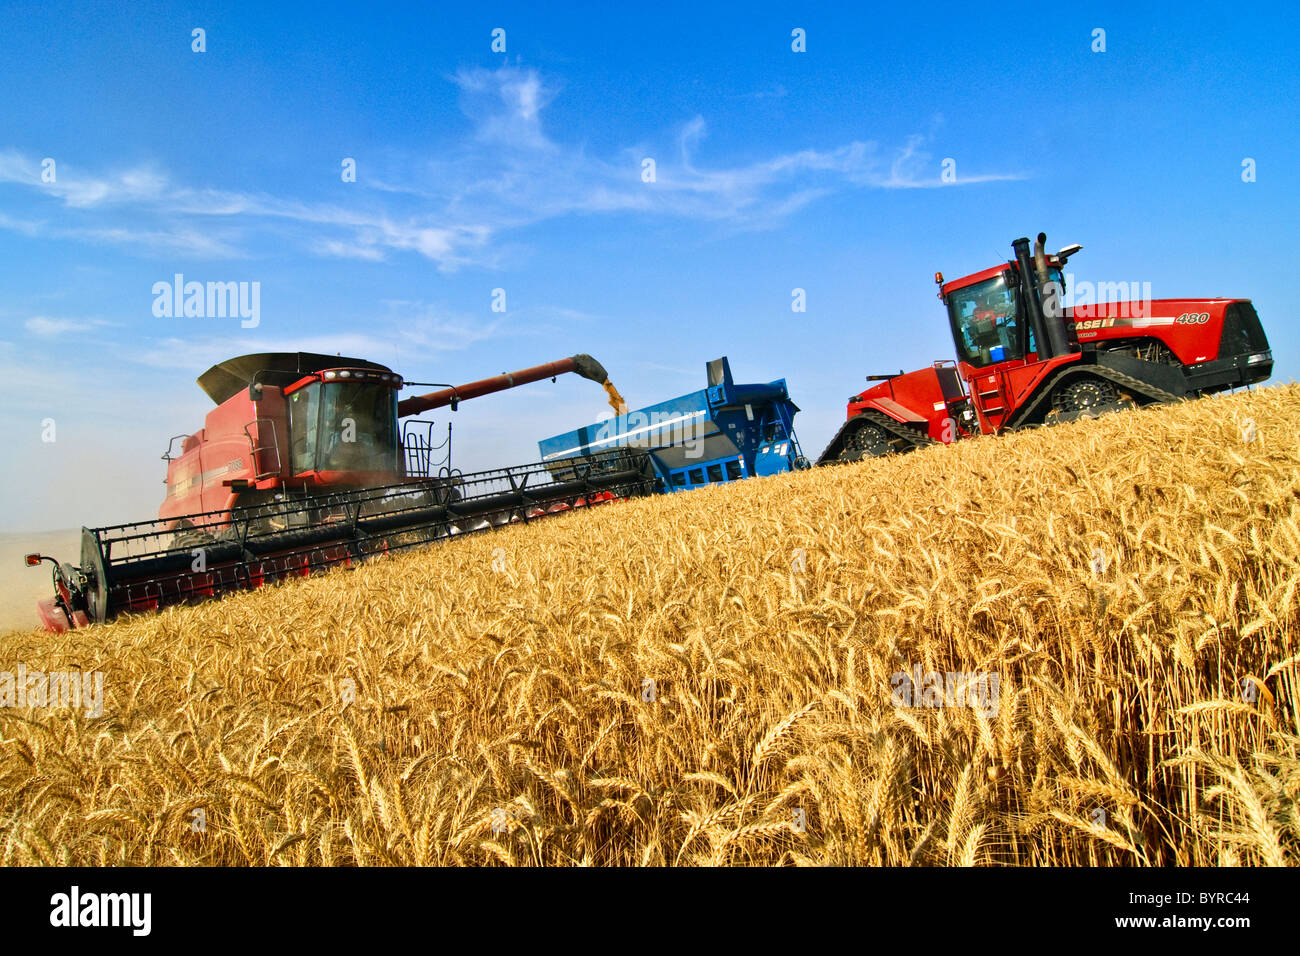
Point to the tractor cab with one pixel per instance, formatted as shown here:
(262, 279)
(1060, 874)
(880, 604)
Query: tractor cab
(989, 321)
(1008, 327)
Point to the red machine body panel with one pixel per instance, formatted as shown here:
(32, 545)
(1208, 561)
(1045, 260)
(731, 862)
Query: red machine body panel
(245, 446)
(924, 397)
(1191, 328)
(997, 391)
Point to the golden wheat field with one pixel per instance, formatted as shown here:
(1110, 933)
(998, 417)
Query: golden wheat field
(707, 678)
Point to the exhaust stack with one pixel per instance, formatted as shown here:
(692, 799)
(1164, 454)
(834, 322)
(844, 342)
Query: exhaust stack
(1029, 292)
(1045, 317)
(1049, 297)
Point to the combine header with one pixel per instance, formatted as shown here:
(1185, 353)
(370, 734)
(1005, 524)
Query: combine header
(1023, 359)
(150, 565)
(724, 432)
(301, 467)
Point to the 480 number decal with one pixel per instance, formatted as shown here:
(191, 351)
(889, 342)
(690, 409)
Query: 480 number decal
(1192, 318)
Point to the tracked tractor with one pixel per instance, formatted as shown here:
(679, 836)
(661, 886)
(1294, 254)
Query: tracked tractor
(1024, 359)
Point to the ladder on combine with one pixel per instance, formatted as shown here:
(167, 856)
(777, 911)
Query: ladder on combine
(425, 458)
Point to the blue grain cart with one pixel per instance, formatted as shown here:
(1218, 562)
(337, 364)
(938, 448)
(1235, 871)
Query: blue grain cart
(723, 432)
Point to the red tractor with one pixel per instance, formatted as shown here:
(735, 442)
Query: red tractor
(1024, 359)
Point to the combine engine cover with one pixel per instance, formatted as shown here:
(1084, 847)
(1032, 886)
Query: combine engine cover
(723, 432)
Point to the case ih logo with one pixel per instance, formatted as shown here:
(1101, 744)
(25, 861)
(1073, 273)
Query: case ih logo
(213, 300)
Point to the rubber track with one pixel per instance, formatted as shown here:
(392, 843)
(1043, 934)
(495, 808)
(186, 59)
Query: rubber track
(1098, 371)
(914, 438)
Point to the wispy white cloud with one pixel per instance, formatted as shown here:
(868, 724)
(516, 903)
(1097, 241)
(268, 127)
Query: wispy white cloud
(775, 92)
(505, 106)
(408, 330)
(454, 209)
(194, 354)
(78, 189)
(165, 240)
(907, 170)
(45, 326)
(341, 249)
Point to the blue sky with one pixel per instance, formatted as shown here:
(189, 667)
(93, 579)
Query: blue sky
(479, 170)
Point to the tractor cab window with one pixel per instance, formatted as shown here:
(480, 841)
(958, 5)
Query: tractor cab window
(343, 426)
(986, 323)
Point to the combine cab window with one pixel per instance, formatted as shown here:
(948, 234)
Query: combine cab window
(344, 426)
(985, 322)
(358, 426)
(304, 417)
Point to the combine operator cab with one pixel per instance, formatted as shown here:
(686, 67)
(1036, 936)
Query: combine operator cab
(285, 424)
(343, 421)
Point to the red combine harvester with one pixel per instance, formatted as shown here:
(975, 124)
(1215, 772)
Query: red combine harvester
(301, 466)
(1024, 360)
